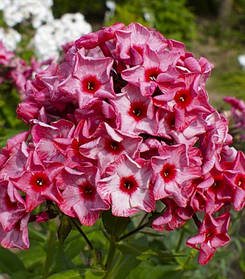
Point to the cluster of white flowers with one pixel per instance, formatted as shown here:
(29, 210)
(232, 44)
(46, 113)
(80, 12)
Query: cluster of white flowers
(9, 37)
(36, 11)
(50, 34)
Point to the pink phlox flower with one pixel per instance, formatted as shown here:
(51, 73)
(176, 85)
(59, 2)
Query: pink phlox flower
(220, 193)
(16, 237)
(91, 78)
(212, 142)
(94, 113)
(126, 186)
(189, 64)
(51, 141)
(171, 169)
(12, 206)
(80, 197)
(135, 111)
(131, 42)
(92, 40)
(20, 73)
(235, 175)
(173, 216)
(196, 189)
(212, 235)
(14, 157)
(110, 144)
(37, 183)
(145, 75)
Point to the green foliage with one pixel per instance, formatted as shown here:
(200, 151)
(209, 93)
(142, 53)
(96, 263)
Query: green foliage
(145, 255)
(129, 11)
(92, 10)
(172, 18)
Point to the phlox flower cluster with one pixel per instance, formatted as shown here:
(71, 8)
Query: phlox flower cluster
(123, 123)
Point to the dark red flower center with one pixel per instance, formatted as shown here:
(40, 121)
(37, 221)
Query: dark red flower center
(139, 49)
(113, 146)
(183, 98)
(87, 191)
(138, 110)
(90, 84)
(39, 181)
(128, 184)
(218, 181)
(152, 73)
(240, 181)
(168, 172)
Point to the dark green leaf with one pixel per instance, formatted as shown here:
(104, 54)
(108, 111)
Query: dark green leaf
(69, 274)
(9, 262)
(114, 225)
(64, 228)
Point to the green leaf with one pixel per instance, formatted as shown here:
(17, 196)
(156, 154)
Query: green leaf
(94, 274)
(69, 274)
(126, 264)
(9, 262)
(114, 225)
(34, 256)
(36, 235)
(22, 275)
(64, 228)
(149, 271)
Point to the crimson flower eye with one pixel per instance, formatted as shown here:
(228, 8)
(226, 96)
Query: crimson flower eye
(128, 184)
(39, 181)
(138, 110)
(90, 84)
(113, 146)
(183, 98)
(87, 191)
(152, 73)
(218, 181)
(168, 172)
(139, 49)
(240, 181)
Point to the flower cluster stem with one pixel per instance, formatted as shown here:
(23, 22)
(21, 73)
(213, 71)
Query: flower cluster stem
(110, 258)
(74, 221)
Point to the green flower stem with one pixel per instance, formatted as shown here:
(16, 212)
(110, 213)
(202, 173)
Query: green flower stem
(77, 225)
(140, 227)
(142, 220)
(110, 258)
(49, 254)
(133, 231)
(181, 236)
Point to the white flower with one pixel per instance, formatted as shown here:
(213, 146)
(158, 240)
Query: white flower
(241, 60)
(10, 38)
(4, 3)
(38, 11)
(50, 37)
